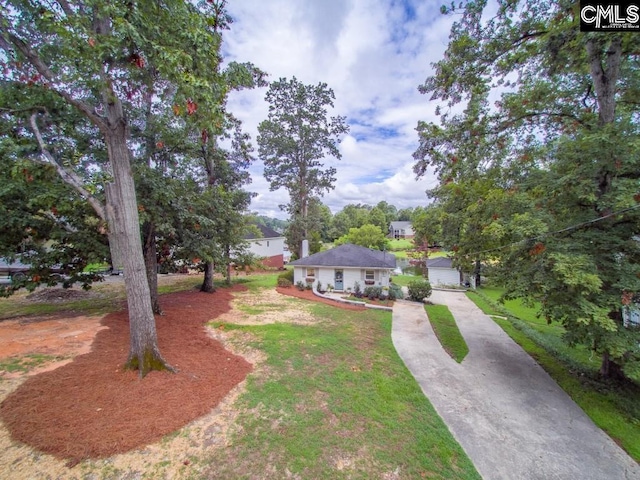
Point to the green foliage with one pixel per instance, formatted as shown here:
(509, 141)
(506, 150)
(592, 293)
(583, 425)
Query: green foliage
(419, 290)
(372, 292)
(287, 275)
(395, 292)
(292, 142)
(540, 186)
(369, 236)
(284, 282)
(300, 285)
(447, 331)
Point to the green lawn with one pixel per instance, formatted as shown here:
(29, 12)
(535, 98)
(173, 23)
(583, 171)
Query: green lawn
(446, 329)
(614, 407)
(333, 400)
(400, 244)
(552, 332)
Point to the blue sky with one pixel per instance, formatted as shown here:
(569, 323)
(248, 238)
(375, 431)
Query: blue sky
(373, 54)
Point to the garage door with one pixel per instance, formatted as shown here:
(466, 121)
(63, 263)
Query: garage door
(444, 276)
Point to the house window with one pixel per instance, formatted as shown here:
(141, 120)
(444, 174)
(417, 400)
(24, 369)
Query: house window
(311, 272)
(369, 277)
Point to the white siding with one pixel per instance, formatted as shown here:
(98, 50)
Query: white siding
(326, 275)
(443, 276)
(266, 247)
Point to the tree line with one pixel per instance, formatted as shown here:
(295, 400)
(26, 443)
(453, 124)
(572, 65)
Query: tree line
(538, 158)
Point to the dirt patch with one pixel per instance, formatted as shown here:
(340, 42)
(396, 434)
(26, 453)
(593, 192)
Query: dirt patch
(58, 295)
(309, 295)
(179, 454)
(91, 408)
(59, 339)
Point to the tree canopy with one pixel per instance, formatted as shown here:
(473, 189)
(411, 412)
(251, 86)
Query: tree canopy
(293, 142)
(370, 236)
(120, 66)
(538, 161)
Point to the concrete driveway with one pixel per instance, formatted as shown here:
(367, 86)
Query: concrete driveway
(510, 417)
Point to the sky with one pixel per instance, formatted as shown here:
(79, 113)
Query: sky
(373, 54)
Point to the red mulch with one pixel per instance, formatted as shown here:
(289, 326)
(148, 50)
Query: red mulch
(309, 295)
(92, 408)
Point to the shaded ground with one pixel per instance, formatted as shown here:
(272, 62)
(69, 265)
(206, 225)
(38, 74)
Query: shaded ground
(91, 408)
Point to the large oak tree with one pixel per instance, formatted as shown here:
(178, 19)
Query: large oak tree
(538, 160)
(98, 57)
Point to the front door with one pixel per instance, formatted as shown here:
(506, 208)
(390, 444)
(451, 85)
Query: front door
(339, 280)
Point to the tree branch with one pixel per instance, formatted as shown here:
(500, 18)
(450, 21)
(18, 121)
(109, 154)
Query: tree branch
(504, 125)
(69, 177)
(35, 60)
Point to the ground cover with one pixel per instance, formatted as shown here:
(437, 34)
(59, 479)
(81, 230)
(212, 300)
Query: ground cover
(447, 331)
(328, 398)
(613, 406)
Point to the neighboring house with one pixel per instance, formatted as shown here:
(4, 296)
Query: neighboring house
(269, 246)
(401, 230)
(441, 272)
(345, 265)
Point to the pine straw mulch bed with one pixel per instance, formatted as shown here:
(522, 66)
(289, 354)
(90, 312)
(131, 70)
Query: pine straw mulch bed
(92, 408)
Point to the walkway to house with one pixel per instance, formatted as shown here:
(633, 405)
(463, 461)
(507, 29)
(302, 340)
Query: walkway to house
(510, 417)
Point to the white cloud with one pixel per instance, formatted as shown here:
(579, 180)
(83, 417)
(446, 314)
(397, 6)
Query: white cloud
(373, 54)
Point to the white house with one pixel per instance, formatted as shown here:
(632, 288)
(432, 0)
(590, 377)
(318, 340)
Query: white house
(401, 230)
(441, 272)
(345, 265)
(269, 246)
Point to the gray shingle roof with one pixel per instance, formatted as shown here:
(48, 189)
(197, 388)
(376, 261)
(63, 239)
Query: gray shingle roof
(440, 262)
(267, 232)
(400, 224)
(349, 255)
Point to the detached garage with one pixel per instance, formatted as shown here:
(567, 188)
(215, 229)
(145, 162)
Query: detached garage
(441, 272)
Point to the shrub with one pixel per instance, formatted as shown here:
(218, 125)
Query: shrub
(287, 275)
(419, 290)
(372, 292)
(283, 282)
(319, 287)
(300, 285)
(357, 291)
(395, 292)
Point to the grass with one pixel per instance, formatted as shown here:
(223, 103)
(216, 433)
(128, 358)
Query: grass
(399, 244)
(403, 280)
(613, 406)
(107, 300)
(446, 329)
(333, 400)
(26, 362)
(551, 332)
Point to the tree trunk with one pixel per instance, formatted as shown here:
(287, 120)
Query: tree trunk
(228, 260)
(151, 263)
(112, 235)
(144, 354)
(477, 273)
(610, 369)
(207, 283)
